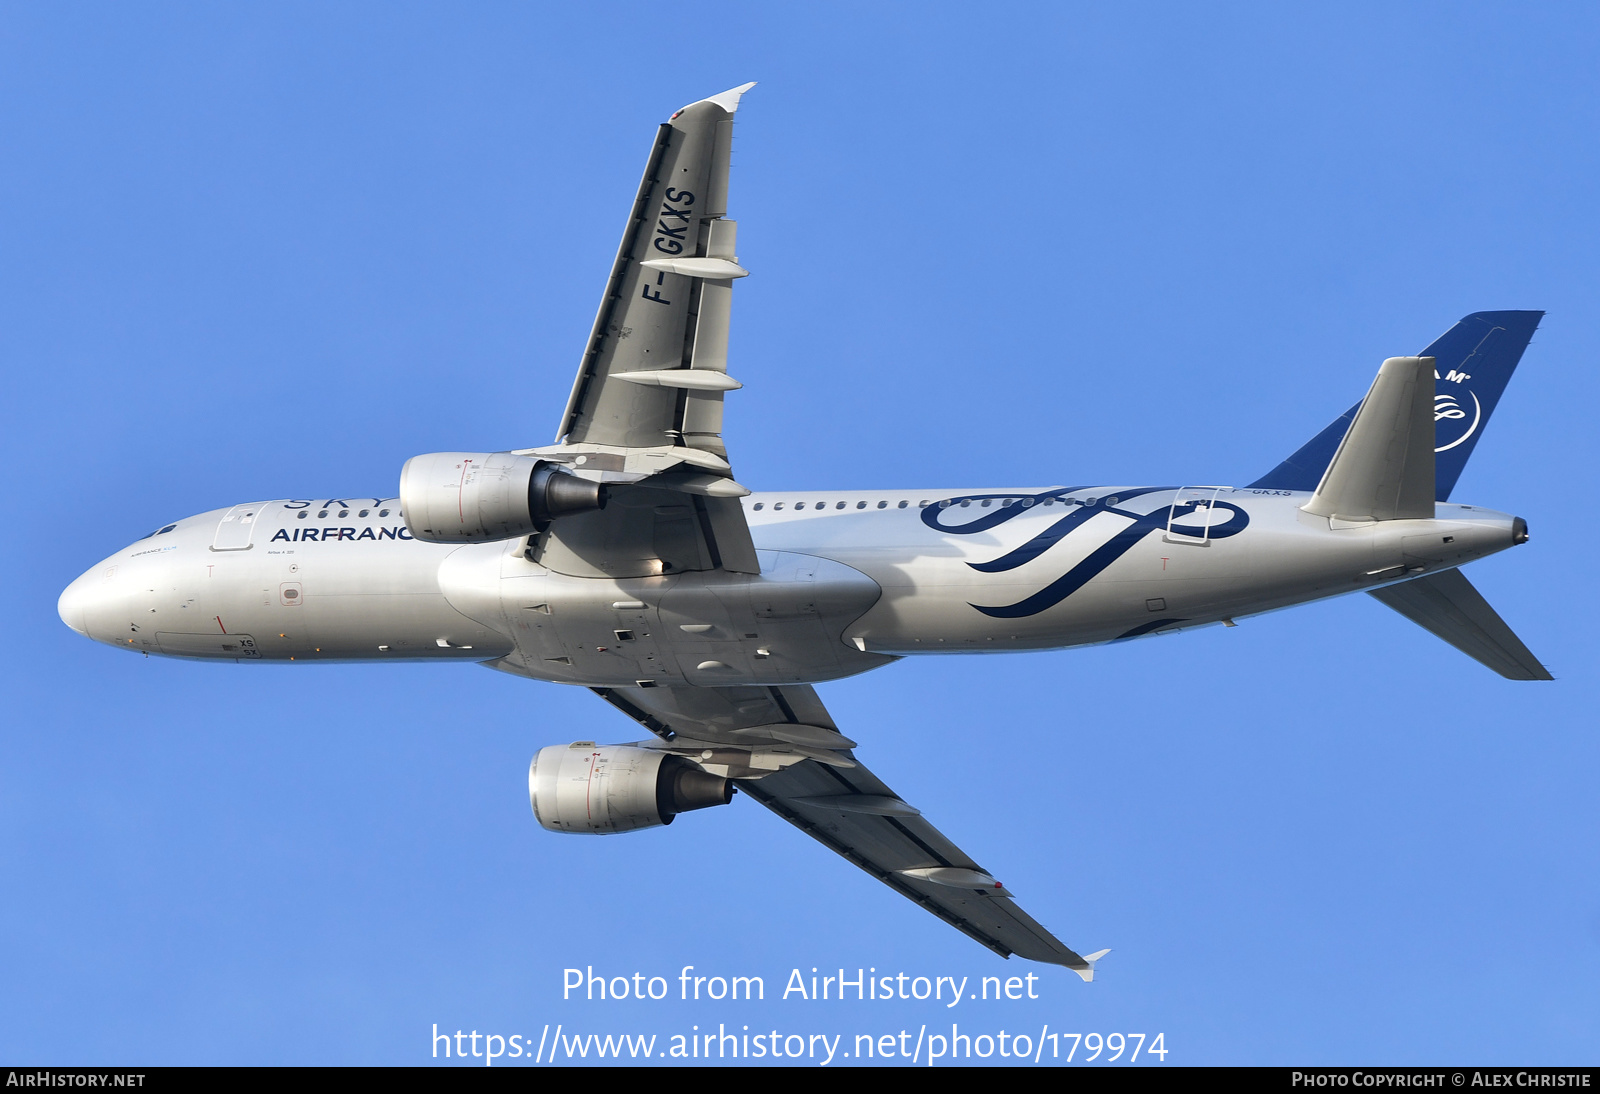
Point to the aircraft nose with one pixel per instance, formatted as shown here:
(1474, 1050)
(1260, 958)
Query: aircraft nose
(73, 606)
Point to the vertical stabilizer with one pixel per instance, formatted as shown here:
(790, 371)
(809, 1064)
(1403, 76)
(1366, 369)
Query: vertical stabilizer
(1474, 362)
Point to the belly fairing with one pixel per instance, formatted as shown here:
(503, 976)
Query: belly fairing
(710, 628)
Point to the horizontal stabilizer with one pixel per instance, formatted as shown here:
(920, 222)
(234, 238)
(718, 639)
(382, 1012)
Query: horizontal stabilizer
(1447, 604)
(1383, 469)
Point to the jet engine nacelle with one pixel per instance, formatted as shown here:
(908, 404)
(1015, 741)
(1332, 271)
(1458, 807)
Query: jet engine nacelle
(599, 789)
(452, 497)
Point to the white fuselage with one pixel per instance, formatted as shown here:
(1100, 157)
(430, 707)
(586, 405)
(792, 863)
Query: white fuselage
(848, 581)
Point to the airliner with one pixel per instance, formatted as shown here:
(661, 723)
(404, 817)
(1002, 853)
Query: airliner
(626, 558)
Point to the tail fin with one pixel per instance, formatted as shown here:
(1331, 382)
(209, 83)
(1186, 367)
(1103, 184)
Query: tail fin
(1475, 360)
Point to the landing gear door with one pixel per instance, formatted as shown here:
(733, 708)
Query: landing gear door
(1193, 512)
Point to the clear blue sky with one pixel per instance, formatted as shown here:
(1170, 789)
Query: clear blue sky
(255, 252)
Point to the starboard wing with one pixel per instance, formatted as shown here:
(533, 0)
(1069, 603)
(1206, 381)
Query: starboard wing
(783, 749)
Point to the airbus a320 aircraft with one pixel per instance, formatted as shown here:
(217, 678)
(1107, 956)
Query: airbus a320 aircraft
(626, 558)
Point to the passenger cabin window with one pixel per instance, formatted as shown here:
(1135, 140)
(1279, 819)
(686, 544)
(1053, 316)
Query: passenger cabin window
(904, 504)
(383, 512)
(301, 514)
(863, 505)
(758, 505)
(885, 505)
(344, 512)
(799, 505)
(322, 514)
(838, 505)
(363, 512)
(777, 505)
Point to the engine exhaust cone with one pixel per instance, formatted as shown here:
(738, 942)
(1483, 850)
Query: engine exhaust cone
(553, 493)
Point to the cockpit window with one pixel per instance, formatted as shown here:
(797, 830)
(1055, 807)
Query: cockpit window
(160, 531)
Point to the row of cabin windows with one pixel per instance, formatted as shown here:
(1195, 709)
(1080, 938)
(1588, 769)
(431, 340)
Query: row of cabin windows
(837, 505)
(984, 504)
(343, 513)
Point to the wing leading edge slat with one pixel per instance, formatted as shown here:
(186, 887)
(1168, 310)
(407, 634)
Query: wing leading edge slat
(612, 297)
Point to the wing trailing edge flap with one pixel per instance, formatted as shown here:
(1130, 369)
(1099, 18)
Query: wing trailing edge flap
(1447, 604)
(1384, 467)
(843, 806)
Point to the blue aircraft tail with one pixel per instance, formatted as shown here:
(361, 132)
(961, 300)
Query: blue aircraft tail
(1473, 362)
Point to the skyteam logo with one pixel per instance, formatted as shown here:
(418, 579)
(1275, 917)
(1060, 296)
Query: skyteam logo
(1194, 519)
(1453, 423)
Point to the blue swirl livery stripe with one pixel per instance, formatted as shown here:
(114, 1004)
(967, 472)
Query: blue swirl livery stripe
(1047, 539)
(985, 521)
(1142, 524)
